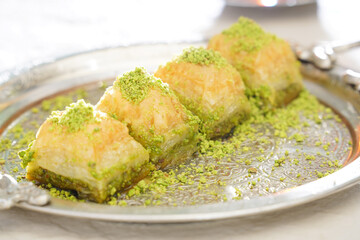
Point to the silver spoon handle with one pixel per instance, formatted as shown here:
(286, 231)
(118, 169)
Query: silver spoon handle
(12, 193)
(340, 46)
(323, 55)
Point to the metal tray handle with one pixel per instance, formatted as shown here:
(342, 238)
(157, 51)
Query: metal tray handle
(352, 78)
(12, 192)
(323, 57)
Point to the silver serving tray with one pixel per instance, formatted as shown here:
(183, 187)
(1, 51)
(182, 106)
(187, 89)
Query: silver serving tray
(22, 88)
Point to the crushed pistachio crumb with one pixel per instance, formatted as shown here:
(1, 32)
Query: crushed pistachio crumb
(202, 56)
(252, 170)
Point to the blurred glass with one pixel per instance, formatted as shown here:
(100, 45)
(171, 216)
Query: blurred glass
(268, 3)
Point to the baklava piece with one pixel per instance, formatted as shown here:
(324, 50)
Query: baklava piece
(264, 61)
(154, 115)
(208, 86)
(85, 150)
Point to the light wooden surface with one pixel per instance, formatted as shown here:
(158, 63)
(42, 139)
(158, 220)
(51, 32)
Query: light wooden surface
(39, 29)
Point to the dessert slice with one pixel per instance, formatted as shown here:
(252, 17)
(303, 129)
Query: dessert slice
(264, 61)
(209, 87)
(154, 116)
(85, 150)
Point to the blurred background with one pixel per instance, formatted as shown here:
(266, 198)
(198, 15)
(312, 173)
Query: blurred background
(37, 30)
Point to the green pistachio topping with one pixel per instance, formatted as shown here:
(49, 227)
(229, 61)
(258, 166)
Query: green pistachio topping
(135, 85)
(202, 56)
(26, 156)
(249, 35)
(75, 116)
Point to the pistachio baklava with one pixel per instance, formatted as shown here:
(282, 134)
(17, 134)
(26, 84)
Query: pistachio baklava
(154, 115)
(85, 150)
(208, 86)
(265, 62)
